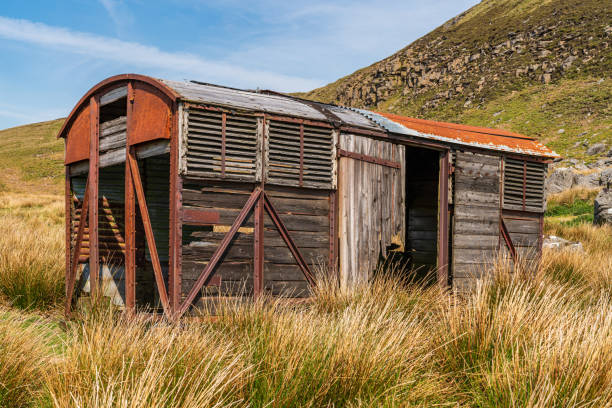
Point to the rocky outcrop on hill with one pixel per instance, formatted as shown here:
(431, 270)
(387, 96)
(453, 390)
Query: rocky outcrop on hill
(464, 62)
(565, 178)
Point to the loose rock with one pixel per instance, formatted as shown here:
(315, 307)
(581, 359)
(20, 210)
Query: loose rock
(554, 242)
(602, 213)
(596, 149)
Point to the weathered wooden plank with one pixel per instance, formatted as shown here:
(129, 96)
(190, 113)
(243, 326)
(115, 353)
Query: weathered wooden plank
(522, 226)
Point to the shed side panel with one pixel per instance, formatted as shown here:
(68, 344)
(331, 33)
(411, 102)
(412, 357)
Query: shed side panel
(371, 205)
(151, 116)
(201, 238)
(476, 217)
(305, 213)
(77, 140)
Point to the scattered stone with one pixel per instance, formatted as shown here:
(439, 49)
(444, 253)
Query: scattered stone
(609, 154)
(560, 131)
(558, 243)
(560, 179)
(602, 213)
(596, 149)
(546, 78)
(496, 114)
(605, 179)
(587, 180)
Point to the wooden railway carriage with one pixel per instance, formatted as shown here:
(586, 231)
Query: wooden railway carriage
(177, 191)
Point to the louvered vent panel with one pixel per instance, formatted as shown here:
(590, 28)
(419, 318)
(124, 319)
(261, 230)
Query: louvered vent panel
(286, 163)
(524, 184)
(209, 154)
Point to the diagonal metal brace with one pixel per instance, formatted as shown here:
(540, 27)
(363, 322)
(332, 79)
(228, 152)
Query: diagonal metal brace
(287, 238)
(146, 220)
(504, 231)
(216, 257)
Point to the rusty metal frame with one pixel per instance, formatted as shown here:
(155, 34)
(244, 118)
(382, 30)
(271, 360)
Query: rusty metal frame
(443, 270)
(109, 84)
(176, 217)
(223, 125)
(217, 255)
(369, 159)
(146, 220)
(299, 121)
(288, 240)
(258, 246)
(93, 181)
(506, 235)
(71, 272)
(130, 216)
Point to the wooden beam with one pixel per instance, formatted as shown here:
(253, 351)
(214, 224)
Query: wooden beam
(146, 221)
(443, 272)
(94, 157)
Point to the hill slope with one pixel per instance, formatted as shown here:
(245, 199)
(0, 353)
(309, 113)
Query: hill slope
(31, 158)
(540, 67)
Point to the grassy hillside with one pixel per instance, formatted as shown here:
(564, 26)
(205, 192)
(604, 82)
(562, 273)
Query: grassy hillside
(537, 67)
(31, 158)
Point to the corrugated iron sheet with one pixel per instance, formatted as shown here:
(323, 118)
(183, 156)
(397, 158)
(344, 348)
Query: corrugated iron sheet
(485, 138)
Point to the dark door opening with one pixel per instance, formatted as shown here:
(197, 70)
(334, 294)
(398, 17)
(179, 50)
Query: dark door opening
(422, 180)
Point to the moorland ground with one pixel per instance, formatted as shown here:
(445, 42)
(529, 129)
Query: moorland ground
(538, 337)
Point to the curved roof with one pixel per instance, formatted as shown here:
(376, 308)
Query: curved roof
(276, 103)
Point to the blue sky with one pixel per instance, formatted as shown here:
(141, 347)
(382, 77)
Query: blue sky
(52, 52)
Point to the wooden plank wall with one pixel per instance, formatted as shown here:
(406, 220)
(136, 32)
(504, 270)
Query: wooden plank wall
(371, 205)
(476, 217)
(305, 213)
(525, 233)
(422, 169)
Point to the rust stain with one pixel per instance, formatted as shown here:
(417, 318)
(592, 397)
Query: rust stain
(473, 135)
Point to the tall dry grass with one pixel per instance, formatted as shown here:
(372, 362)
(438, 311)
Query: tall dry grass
(538, 338)
(31, 250)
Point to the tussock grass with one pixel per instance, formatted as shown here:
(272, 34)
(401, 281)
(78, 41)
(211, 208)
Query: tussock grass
(23, 360)
(31, 251)
(537, 336)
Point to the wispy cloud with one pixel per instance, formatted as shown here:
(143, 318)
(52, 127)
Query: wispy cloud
(118, 13)
(145, 56)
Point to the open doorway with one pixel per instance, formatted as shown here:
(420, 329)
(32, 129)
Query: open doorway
(422, 206)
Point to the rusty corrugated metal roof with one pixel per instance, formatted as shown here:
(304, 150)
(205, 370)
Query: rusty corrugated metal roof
(486, 138)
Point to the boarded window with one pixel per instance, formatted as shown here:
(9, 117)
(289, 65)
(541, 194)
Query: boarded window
(300, 154)
(523, 185)
(221, 144)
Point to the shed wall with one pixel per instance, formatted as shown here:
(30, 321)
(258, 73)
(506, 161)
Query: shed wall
(476, 217)
(371, 205)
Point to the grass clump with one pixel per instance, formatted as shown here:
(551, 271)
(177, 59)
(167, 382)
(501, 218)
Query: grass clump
(31, 251)
(572, 207)
(24, 356)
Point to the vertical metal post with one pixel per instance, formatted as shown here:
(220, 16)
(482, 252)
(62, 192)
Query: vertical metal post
(258, 242)
(301, 153)
(258, 233)
(524, 183)
(176, 206)
(223, 125)
(443, 219)
(94, 254)
(130, 217)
